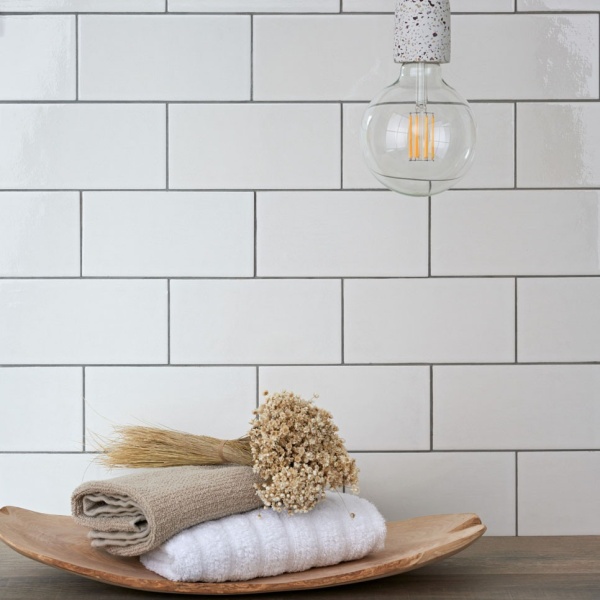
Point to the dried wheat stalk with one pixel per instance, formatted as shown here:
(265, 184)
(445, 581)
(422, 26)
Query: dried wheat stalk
(136, 446)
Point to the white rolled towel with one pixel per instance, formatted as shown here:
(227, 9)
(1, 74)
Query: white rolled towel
(263, 542)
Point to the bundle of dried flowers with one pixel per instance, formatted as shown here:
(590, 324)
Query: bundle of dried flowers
(293, 446)
(298, 453)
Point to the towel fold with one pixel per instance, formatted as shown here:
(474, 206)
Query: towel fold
(263, 542)
(133, 514)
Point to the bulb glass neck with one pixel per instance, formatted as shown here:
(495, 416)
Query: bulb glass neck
(411, 71)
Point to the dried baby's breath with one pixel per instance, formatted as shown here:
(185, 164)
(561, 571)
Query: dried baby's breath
(298, 453)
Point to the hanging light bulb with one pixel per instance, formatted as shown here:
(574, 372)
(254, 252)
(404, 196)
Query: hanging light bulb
(418, 135)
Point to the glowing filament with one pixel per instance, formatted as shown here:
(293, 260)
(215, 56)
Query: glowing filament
(421, 141)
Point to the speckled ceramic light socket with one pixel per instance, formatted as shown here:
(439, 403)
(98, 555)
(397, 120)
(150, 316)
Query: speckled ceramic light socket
(422, 31)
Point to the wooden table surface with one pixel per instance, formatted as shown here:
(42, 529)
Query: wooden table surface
(500, 568)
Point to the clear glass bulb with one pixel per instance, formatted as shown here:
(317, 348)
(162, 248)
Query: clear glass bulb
(418, 135)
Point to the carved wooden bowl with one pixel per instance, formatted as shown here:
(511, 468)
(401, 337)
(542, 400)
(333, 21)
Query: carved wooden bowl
(59, 542)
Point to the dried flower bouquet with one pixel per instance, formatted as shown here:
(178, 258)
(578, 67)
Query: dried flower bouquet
(292, 445)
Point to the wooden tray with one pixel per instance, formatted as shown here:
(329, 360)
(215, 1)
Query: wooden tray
(59, 542)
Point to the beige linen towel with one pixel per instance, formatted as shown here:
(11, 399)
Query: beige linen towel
(133, 514)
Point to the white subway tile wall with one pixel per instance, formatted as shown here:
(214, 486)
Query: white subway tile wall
(33, 222)
(376, 408)
(78, 145)
(256, 321)
(38, 57)
(328, 234)
(559, 5)
(148, 58)
(515, 232)
(158, 234)
(81, 6)
(186, 220)
(429, 320)
(199, 397)
(477, 6)
(257, 6)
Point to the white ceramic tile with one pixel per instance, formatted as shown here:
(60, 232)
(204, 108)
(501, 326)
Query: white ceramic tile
(516, 232)
(83, 322)
(557, 145)
(457, 5)
(494, 163)
(559, 493)
(44, 482)
(318, 57)
(493, 407)
(494, 156)
(561, 5)
(168, 233)
(31, 223)
(548, 57)
(255, 321)
(157, 57)
(368, 5)
(320, 234)
(559, 320)
(82, 6)
(355, 171)
(428, 321)
(73, 146)
(408, 485)
(233, 146)
(483, 6)
(328, 64)
(376, 408)
(41, 409)
(37, 58)
(257, 6)
(206, 401)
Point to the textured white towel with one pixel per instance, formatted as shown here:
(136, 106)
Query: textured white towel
(263, 542)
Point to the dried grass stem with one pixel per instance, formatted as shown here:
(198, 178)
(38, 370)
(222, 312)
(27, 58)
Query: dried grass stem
(136, 446)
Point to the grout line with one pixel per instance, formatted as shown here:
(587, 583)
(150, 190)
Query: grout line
(168, 321)
(517, 493)
(255, 236)
(431, 407)
(343, 341)
(257, 387)
(429, 236)
(80, 234)
(215, 278)
(299, 102)
(167, 146)
(282, 364)
(251, 57)
(341, 144)
(76, 57)
(333, 13)
(515, 186)
(298, 190)
(83, 445)
(516, 321)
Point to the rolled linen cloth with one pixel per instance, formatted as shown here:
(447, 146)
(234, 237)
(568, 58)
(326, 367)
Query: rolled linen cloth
(133, 514)
(263, 542)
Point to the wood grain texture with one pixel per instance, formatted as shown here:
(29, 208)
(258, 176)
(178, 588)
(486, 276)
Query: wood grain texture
(59, 542)
(552, 568)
